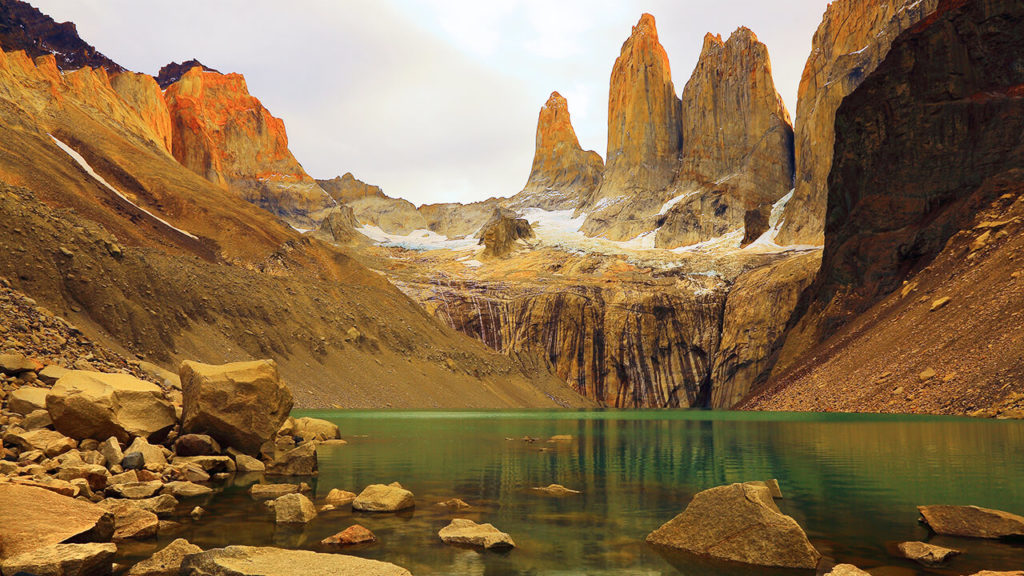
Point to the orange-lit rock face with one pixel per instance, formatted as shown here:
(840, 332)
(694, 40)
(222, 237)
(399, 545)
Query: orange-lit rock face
(850, 42)
(644, 137)
(224, 134)
(142, 93)
(737, 155)
(563, 174)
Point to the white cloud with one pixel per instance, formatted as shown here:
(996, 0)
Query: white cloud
(434, 100)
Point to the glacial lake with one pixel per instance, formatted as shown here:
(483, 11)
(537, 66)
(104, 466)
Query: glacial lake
(852, 481)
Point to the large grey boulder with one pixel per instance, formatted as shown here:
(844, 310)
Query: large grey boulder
(241, 404)
(94, 405)
(166, 562)
(468, 533)
(741, 523)
(972, 521)
(33, 518)
(63, 560)
(267, 561)
(384, 498)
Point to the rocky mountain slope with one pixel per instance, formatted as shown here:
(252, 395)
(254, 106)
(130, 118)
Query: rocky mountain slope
(918, 303)
(106, 228)
(851, 40)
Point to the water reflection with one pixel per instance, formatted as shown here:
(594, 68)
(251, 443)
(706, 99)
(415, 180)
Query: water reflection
(853, 483)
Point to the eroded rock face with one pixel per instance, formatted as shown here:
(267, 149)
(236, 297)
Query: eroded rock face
(227, 136)
(852, 39)
(563, 174)
(932, 136)
(142, 93)
(339, 225)
(737, 151)
(739, 522)
(644, 129)
(171, 73)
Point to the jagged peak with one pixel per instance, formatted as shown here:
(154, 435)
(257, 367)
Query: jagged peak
(556, 101)
(744, 35)
(646, 27)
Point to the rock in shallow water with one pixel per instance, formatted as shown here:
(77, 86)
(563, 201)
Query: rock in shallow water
(383, 498)
(166, 562)
(926, 554)
(469, 533)
(350, 536)
(293, 509)
(972, 521)
(267, 561)
(738, 522)
(846, 570)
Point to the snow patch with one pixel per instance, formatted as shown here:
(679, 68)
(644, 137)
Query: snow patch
(668, 205)
(88, 169)
(417, 239)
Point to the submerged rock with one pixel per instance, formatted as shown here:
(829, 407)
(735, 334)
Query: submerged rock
(555, 490)
(383, 498)
(927, 554)
(469, 533)
(846, 570)
(738, 522)
(271, 491)
(972, 521)
(267, 561)
(455, 504)
(338, 497)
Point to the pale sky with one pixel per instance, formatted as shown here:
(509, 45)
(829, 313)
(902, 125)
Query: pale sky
(433, 100)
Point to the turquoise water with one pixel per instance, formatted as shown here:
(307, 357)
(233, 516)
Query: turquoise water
(852, 482)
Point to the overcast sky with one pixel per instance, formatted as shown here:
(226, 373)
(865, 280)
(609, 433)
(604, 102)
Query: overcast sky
(434, 100)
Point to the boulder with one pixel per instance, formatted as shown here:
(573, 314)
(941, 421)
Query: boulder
(50, 374)
(293, 509)
(267, 561)
(241, 404)
(555, 490)
(383, 498)
(131, 522)
(211, 464)
(27, 399)
(95, 405)
(454, 504)
(315, 429)
(196, 445)
(37, 419)
(166, 562)
(926, 554)
(245, 463)
(111, 450)
(299, 461)
(468, 533)
(152, 456)
(34, 518)
(338, 497)
(96, 476)
(741, 523)
(136, 490)
(48, 442)
(972, 521)
(271, 491)
(63, 560)
(13, 364)
(351, 536)
(186, 489)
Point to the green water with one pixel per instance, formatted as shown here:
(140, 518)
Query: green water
(851, 481)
